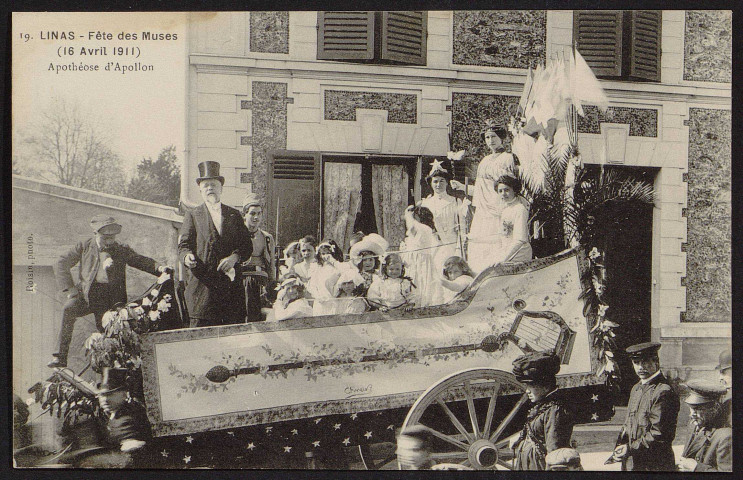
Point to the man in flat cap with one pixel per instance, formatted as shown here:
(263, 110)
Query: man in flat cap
(564, 460)
(549, 424)
(710, 447)
(101, 279)
(645, 442)
(259, 269)
(212, 240)
(725, 371)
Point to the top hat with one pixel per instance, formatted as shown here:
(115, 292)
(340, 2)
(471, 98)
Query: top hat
(643, 350)
(113, 379)
(105, 224)
(702, 391)
(373, 242)
(539, 367)
(726, 360)
(209, 170)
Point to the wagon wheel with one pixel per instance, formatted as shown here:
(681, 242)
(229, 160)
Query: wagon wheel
(481, 446)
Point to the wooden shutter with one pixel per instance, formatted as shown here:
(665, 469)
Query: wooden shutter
(598, 37)
(294, 180)
(404, 37)
(345, 35)
(645, 44)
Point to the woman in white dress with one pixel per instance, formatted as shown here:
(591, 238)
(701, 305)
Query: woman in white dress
(449, 212)
(515, 246)
(485, 230)
(330, 265)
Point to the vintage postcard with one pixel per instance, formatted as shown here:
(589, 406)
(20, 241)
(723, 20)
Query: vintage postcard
(449, 240)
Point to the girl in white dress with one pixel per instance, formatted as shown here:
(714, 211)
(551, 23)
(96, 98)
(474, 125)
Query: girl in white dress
(457, 276)
(449, 212)
(515, 246)
(392, 289)
(347, 301)
(307, 250)
(290, 301)
(485, 230)
(419, 252)
(329, 267)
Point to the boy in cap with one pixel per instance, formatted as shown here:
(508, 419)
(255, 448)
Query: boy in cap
(710, 447)
(212, 240)
(259, 270)
(549, 425)
(644, 444)
(101, 279)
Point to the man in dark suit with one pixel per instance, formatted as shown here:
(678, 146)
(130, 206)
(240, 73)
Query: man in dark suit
(725, 372)
(259, 269)
(212, 240)
(645, 442)
(101, 278)
(710, 447)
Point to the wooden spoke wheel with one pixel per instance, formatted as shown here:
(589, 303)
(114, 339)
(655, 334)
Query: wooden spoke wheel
(481, 444)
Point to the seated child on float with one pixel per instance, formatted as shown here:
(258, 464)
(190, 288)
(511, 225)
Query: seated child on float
(392, 289)
(328, 268)
(457, 276)
(366, 256)
(290, 301)
(304, 269)
(347, 299)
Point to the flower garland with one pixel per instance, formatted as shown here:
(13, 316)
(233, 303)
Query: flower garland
(603, 330)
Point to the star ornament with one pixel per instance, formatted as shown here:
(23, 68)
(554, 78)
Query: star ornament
(295, 432)
(316, 443)
(251, 446)
(187, 458)
(287, 449)
(368, 435)
(189, 439)
(594, 416)
(164, 453)
(337, 426)
(346, 441)
(354, 416)
(594, 398)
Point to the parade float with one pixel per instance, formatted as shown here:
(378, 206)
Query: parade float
(303, 389)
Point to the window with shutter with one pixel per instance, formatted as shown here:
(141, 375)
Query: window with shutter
(345, 35)
(404, 37)
(294, 180)
(620, 44)
(373, 37)
(645, 41)
(598, 37)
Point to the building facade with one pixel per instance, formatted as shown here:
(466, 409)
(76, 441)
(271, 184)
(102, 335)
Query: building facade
(335, 115)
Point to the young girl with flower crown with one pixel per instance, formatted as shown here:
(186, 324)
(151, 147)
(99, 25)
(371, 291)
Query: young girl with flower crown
(392, 289)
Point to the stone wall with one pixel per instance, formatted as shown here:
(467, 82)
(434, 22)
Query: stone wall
(708, 213)
(708, 46)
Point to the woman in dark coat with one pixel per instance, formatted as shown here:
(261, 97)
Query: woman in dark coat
(549, 424)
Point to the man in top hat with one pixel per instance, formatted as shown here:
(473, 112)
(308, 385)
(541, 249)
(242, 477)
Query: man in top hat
(101, 278)
(212, 240)
(549, 424)
(259, 269)
(710, 447)
(645, 442)
(725, 371)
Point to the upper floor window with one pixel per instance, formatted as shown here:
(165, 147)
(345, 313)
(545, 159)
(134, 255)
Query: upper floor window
(372, 37)
(617, 44)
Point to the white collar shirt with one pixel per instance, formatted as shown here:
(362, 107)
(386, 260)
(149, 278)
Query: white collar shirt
(215, 210)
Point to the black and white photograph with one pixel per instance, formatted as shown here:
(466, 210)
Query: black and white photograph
(372, 240)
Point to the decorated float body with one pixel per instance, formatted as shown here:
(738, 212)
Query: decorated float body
(230, 396)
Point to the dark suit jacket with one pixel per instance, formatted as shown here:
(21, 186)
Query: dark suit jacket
(549, 426)
(712, 448)
(209, 293)
(652, 413)
(87, 255)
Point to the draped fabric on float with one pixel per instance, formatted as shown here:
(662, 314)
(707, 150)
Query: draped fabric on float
(342, 201)
(390, 193)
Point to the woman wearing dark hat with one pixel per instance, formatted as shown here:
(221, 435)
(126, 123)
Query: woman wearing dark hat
(549, 425)
(514, 218)
(486, 225)
(449, 212)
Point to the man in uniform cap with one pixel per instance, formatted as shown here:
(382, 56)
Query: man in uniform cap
(101, 279)
(644, 444)
(564, 459)
(710, 447)
(725, 370)
(549, 424)
(212, 240)
(259, 269)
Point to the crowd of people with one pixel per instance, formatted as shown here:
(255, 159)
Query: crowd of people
(645, 441)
